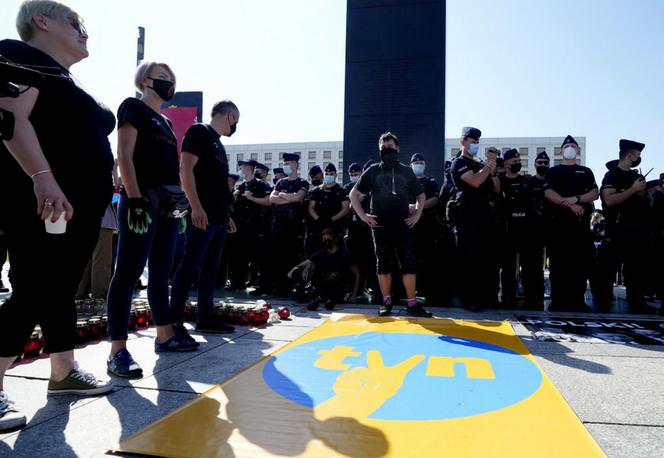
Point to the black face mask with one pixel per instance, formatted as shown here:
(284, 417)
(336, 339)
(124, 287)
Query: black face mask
(542, 169)
(259, 175)
(163, 88)
(515, 168)
(329, 243)
(316, 182)
(233, 129)
(274, 180)
(636, 162)
(389, 156)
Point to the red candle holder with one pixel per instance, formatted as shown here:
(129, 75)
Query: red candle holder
(141, 318)
(131, 325)
(283, 312)
(82, 331)
(34, 345)
(95, 327)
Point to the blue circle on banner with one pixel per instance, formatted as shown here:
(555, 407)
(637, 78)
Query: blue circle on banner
(293, 374)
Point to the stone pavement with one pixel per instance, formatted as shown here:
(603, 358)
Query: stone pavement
(616, 390)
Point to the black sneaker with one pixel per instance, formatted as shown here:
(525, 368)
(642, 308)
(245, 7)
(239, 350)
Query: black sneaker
(329, 304)
(182, 331)
(123, 365)
(214, 325)
(385, 310)
(314, 304)
(419, 311)
(472, 308)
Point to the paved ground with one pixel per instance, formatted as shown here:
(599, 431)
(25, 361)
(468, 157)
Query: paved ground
(616, 390)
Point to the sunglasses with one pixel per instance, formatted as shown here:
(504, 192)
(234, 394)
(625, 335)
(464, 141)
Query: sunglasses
(80, 28)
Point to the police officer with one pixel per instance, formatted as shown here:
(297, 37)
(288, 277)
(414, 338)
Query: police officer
(426, 231)
(626, 205)
(571, 188)
(658, 239)
(474, 223)
(518, 214)
(328, 207)
(358, 237)
(288, 198)
(315, 176)
(278, 174)
(251, 196)
(535, 239)
(446, 290)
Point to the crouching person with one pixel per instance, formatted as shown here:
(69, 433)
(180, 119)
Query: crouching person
(331, 271)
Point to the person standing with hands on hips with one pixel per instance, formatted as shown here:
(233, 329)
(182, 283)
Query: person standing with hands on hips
(204, 172)
(148, 161)
(392, 185)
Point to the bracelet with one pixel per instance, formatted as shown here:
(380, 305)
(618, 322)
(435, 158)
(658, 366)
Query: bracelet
(40, 172)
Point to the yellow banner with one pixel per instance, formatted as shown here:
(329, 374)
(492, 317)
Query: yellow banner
(366, 387)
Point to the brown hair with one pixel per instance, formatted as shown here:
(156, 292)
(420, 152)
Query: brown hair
(388, 136)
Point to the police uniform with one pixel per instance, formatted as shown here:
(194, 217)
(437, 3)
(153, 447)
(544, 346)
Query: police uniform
(571, 241)
(474, 229)
(628, 230)
(426, 239)
(287, 229)
(328, 202)
(447, 274)
(657, 220)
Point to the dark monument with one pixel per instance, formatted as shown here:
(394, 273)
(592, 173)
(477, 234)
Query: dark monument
(395, 79)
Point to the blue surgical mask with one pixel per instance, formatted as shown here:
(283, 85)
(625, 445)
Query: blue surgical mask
(418, 169)
(329, 179)
(288, 169)
(242, 175)
(474, 149)
(355, 179)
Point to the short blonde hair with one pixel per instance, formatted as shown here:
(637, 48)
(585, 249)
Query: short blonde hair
(144, 69)
(49, 8)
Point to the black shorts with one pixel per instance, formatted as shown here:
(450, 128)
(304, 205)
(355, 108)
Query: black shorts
(394, 245)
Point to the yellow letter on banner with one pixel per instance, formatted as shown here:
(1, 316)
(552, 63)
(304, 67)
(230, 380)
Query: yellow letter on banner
(443, 366)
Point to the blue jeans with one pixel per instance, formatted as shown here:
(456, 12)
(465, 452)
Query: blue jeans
(134, 250)
(202, 251)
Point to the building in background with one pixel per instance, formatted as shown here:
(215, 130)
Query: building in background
(320, 153)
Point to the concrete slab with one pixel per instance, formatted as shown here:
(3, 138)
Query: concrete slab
(628, 441)
(277, 332)
(607, 389)
(91, 429)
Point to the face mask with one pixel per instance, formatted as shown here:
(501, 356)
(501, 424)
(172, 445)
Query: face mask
(288, 169)
(329, 243)
(569, 153)
(242, 175)
(259, 175)
(542, 169)
(355, 179)
(274, 181)
(316, 182)
(329, 179)
(636, 162)
(418, 169)
(233, 129)
(389, 156)
(474, 149)
(515, 168)
(163, 88)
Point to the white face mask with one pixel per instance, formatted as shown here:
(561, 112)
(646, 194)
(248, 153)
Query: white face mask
(569, 153)
(355, 179)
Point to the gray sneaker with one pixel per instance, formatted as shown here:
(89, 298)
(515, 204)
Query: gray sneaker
(81, 383)
(10, 418)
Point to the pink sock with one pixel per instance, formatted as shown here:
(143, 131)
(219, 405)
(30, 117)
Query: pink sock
(412, 302)
(387, 300)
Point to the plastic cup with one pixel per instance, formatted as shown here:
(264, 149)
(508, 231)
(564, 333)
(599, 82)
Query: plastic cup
(59, 227)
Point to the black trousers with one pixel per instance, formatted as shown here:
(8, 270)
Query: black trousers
(523, 259)
(359, 244)
(287, 247)
(46, 270)
(571, 257)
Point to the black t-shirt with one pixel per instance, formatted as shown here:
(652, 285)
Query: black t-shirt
(570, 181)
(391, 189)
(291, 187)
(156, 152)
(658, 211)
(328, 200)
(634, 210)
(466, 194)
(518, 202)
(245, 210)
(536, 186)
(72, 128)
(211, 170)
(326, 263)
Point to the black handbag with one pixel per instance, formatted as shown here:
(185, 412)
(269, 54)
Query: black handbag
(173, 202)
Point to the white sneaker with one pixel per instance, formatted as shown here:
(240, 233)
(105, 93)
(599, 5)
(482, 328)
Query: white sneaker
(10, 418)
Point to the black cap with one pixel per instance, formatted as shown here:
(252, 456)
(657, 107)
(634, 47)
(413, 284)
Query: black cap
(250, 162)
(291, 157)
(652, 184)
(278, 170)
(569, 139)
(315, 170)
(542, 156)
(471, 132)
(416, 157)
(234, 176)
(354, 167)
(330, 168)
(612, 164)
(510, 154)
(263, 167)
(368, 164)
(631, 144)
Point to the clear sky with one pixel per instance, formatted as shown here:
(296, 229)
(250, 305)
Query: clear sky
(514, 67)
